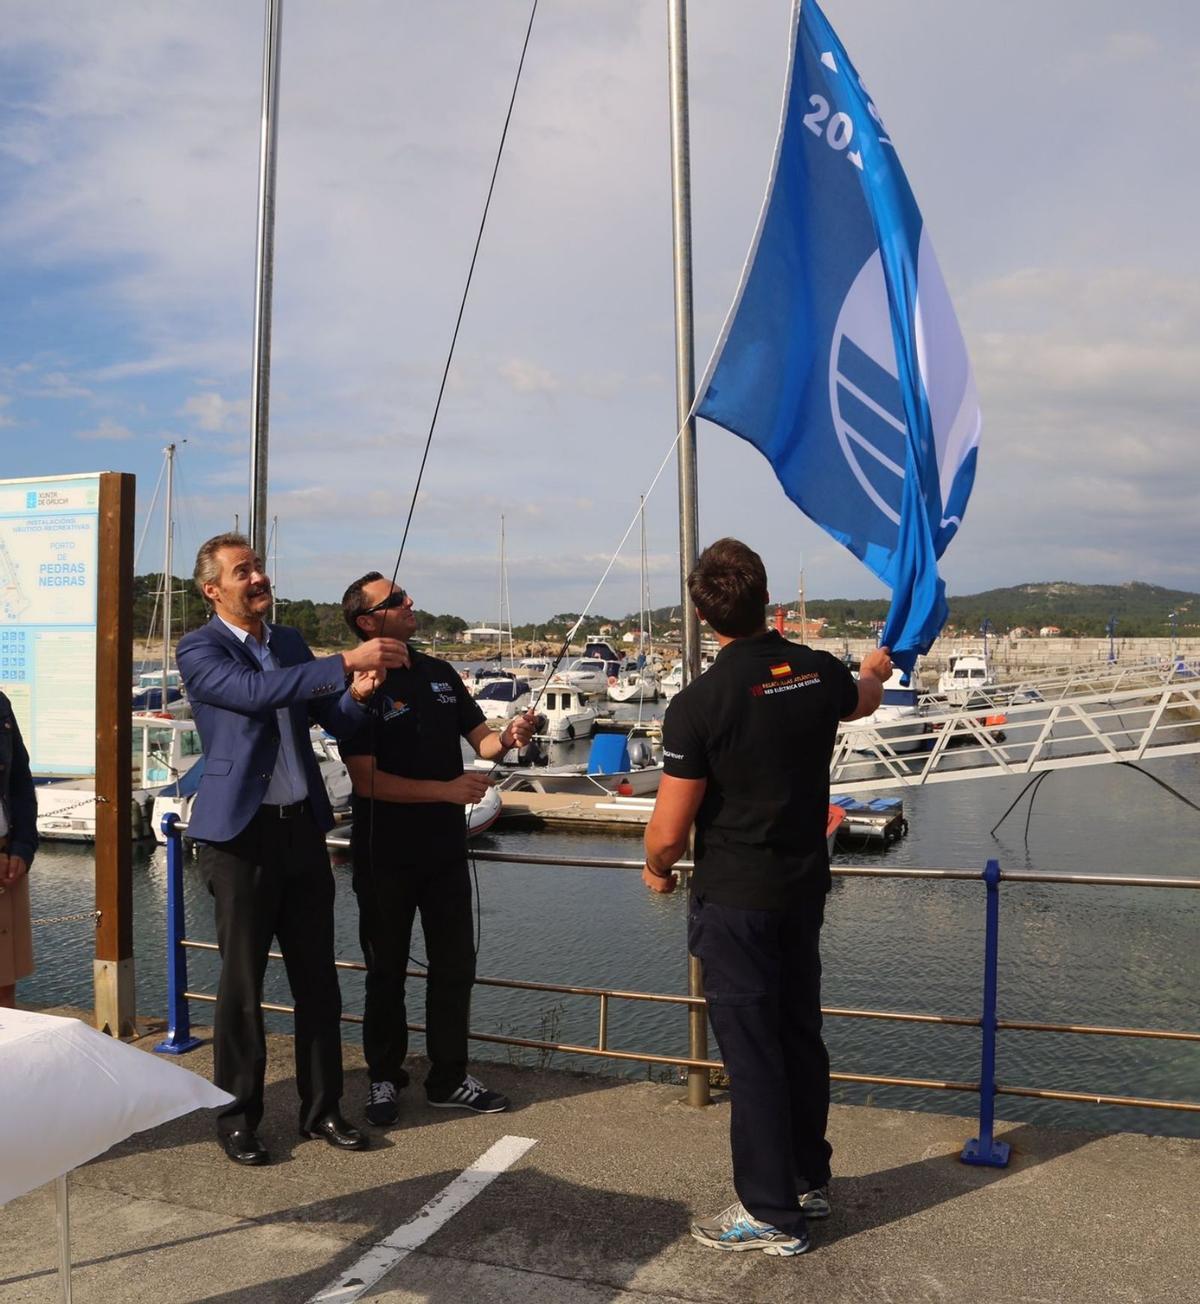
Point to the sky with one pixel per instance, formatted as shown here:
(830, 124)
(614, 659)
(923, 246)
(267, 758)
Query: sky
(1051, 145)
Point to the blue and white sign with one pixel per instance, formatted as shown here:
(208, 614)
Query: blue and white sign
(841, 359)
(49, 548)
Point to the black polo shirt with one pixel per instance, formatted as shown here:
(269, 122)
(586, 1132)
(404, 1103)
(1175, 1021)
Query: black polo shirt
(759, 725)
(417, 736)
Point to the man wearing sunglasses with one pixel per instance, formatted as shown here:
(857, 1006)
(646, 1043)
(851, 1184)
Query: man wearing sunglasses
(409, 846)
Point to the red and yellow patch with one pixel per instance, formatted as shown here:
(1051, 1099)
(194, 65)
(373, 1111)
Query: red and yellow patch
(780, 670)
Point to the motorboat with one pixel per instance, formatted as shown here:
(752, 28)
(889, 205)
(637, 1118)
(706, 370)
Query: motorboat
(477, 680)
(615, 765)
(566, 712)
(534, 671)
(590, 675)
(502, 699)
(967, 675)
(176, 798)
(164, 748)
(480, 817)
(896, 724)
(635, 684)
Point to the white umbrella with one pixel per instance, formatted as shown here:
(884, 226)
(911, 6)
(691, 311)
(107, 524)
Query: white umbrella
(70, 1093)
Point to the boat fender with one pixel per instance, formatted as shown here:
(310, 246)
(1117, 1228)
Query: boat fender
(624, 788)
(570, 731)
(613, 681)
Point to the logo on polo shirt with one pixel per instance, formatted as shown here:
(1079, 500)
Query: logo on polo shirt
(399, 708)
(780, 670)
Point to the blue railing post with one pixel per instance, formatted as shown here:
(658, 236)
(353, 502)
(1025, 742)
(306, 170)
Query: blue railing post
(984, 1149)
(179, 1030)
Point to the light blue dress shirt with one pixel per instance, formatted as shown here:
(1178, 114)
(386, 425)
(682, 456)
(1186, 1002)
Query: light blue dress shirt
(288, 782)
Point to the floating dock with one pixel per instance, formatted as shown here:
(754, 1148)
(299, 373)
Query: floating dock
(880, 819)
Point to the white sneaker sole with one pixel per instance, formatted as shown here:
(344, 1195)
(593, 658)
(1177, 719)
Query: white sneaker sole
(780, 1249)
(462, 1104)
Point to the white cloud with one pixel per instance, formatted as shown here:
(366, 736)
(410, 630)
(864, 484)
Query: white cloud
(107, 429)
(209, 411)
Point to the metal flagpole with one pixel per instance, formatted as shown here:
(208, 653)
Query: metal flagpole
(168, 564)
(685, 381)
(264, 276)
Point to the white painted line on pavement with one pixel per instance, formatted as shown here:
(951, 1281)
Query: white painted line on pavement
(399, 1244)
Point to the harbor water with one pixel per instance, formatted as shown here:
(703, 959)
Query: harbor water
(1124, 957)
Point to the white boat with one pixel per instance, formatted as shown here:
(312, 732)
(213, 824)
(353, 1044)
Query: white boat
(566, 713)
(588, 675)
(164, 749)
(534, 671)
(967, 675)
(177, 797)
(614, 766)
(478, 679)
(501, 699)
(635, 685)
(896, 726)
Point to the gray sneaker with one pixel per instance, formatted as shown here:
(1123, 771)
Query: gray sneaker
(735, 1229)
(815, 1203)
(382, 1109)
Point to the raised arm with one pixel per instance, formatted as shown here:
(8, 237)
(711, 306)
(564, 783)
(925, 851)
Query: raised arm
(873, 673)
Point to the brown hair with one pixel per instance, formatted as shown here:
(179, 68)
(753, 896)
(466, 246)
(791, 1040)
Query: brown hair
(729, 588)
(207, 569)
(354, 604)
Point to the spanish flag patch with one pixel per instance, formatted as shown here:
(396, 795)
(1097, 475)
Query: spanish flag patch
(780, 670)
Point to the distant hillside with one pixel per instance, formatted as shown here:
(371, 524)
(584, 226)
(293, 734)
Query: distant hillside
(1079, 610)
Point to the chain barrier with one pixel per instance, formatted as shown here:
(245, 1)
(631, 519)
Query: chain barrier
(69, 919)
(86, 801)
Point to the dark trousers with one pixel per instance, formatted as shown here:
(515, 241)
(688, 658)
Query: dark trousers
(762, 982)
(389, 897)
(274, 880)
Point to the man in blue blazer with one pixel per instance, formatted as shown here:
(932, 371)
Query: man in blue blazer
(260, 817)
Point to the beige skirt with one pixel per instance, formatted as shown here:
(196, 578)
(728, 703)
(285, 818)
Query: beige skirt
(16, 935)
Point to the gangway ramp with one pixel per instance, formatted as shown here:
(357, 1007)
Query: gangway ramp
(974, 742)
(1075, 681)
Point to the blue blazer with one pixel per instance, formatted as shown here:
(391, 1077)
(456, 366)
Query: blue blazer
(234, 703)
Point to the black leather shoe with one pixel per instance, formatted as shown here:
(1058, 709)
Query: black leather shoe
(245, 1148)
(334, 1129)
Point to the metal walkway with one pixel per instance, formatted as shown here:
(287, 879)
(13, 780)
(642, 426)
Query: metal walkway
(1010, 737)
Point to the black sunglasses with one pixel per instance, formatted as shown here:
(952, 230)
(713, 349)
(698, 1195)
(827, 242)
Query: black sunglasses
(397, 599)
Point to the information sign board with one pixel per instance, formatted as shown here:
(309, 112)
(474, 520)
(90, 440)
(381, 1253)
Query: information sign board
(49, 544)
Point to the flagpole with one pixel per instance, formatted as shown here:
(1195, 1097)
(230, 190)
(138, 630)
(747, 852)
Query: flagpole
(264, 272)
(685, 380)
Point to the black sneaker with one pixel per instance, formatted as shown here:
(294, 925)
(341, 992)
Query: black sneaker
(472, 1095)
(382, 1108)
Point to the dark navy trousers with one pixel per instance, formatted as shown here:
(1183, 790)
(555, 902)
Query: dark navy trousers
(762, 982)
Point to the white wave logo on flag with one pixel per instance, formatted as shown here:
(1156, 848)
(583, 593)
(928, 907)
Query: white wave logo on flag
(841, 359)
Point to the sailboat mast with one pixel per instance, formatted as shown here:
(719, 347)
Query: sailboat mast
(168, 562)
(500, 600)
(264, 274)
(685, 378)
(644, 597)
(274, 564)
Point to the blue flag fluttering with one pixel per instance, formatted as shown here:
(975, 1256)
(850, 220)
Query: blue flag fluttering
(842, 360)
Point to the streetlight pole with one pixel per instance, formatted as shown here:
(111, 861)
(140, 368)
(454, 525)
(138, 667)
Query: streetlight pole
(1112, 631)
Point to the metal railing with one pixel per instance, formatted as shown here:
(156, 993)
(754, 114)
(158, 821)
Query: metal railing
(984, 1149)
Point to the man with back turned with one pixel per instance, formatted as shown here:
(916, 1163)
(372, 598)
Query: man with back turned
(260, 817)
(747, 748)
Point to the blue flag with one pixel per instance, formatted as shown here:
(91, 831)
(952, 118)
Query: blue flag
(841, 359)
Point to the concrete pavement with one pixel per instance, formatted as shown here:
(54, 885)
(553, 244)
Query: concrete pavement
(598, 1209)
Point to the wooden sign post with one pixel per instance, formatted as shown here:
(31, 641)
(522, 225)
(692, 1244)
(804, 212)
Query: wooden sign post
(113, 967)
